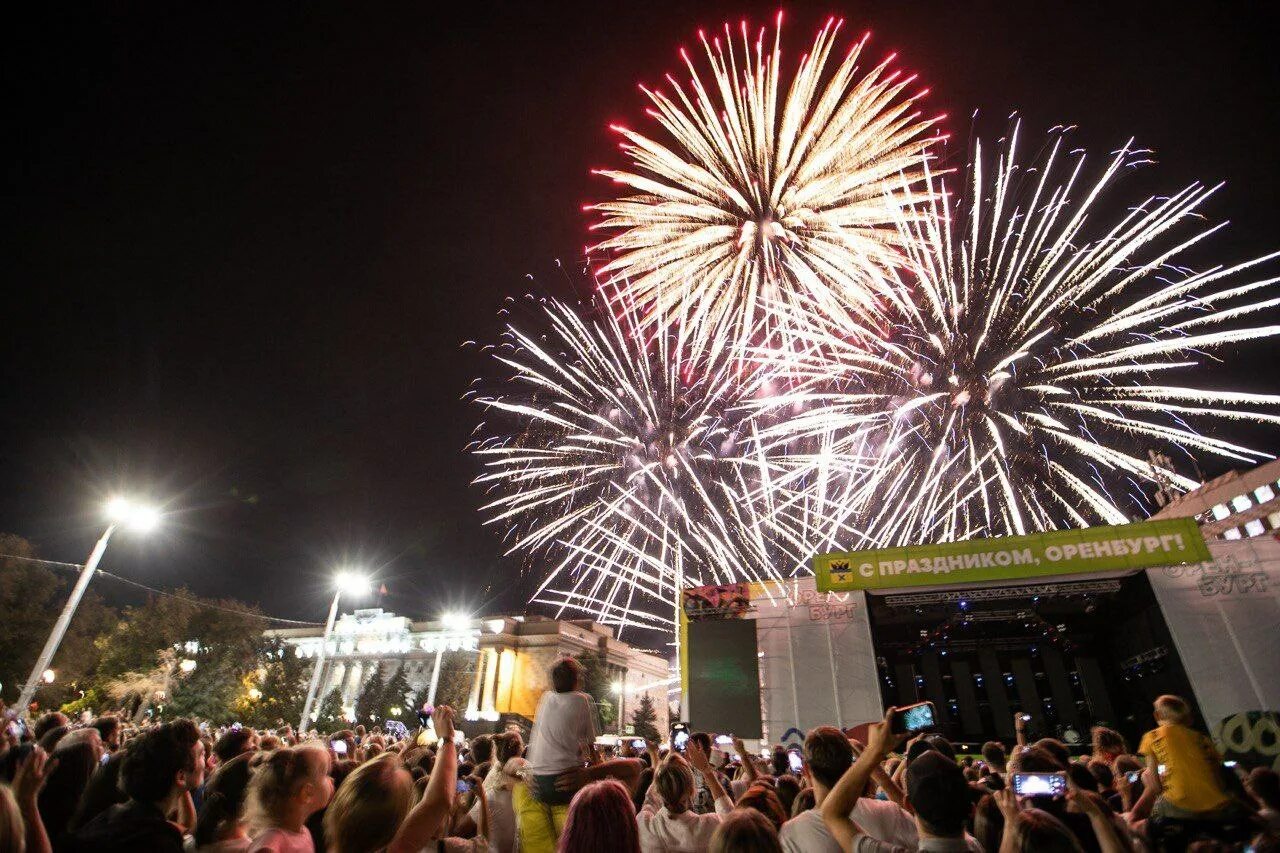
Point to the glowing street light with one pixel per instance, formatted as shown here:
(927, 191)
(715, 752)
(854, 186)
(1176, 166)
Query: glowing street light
(351, 583)
(120, 512)
(455, 621)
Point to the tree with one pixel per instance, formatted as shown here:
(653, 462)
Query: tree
(644, 719)
(395, 696)
(31, 597)
(597, 680)
(329, 717)
(457, 675)
(370, 705)
(282, 680)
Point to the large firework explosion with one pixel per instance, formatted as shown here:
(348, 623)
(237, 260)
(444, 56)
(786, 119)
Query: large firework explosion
(763, 191)
(804, 342)
(621, 460)
(1039, 351)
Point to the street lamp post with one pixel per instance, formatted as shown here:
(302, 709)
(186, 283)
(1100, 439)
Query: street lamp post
(119, 511)
(344, 582)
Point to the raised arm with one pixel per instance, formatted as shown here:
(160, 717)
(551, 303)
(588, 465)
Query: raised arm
(423, 823)
(32, 773)
(698, 761)
(746, 759)
(837, 808)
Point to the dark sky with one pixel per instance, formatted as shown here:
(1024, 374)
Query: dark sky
(244, 242)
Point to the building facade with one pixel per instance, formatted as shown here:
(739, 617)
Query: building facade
(512, 657)
(1237, 505)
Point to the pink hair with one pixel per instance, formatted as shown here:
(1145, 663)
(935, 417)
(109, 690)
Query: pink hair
(601, 817)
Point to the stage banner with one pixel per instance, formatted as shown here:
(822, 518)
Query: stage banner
(1222, 614)
(817, 663)
(1141, 545)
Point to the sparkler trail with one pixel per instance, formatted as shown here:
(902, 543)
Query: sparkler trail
(763, 191)
(1025, 370)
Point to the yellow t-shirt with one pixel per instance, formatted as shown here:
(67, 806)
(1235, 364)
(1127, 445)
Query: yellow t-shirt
(1190, 779)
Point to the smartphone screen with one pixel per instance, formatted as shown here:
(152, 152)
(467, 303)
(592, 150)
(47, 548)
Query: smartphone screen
(339, 746)
(796, 762)
(680, 740)
(724, 740)
(1040, 784)
(463, 786)
(638, 743)
(914, 718)
(1134, 776)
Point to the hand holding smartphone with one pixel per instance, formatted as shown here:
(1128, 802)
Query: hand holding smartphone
(915, 718)
(1040, 784)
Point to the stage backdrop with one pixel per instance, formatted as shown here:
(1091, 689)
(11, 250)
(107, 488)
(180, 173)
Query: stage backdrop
(817, 665)
(1223, 616)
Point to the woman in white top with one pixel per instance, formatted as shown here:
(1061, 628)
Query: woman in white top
(671, 827)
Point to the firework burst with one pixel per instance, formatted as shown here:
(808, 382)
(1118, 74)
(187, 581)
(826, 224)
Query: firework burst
(763, 191)
(623, 463)
(1028, 365)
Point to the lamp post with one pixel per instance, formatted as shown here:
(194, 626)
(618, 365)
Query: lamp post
(342, 582)
(120, 511)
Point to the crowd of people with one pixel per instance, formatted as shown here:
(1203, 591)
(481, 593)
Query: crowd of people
(100, 785)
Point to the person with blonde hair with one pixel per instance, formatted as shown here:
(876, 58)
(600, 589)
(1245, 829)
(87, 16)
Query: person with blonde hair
(1185, 763)
(369, 807)
(673, 825)
(287, 788)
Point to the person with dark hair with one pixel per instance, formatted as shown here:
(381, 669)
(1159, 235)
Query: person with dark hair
(108, 726)
(988, 823)
(780, 760)
(235, 742)
(159, 768)
(72, 766)
(220, 827)
(102, 792)
(745, 831)
(828, 754)
(1057, 749)
(936, 788)
(1263, 785)
(564, 732)
(600, 818)
(996, 758)
(788, 788)
(47, 723)
(51, 737)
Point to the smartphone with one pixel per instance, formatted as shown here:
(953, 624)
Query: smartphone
(1230, 764)
(680, 739)
(463, 786)
(1026, 718)
(1134, 776)
(796, 761)
(639, 743)
(724, 740)
(915, 718)
(339, 746)
(1160, 769)
(1040, 784)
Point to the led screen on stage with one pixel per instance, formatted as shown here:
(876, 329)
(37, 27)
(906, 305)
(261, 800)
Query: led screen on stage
(724, 677)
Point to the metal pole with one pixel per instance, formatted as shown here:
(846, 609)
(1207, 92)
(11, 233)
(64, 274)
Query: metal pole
(315, 673)
(435, 677)
(64, 620)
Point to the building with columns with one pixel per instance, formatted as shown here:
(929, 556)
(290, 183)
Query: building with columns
(512, 656)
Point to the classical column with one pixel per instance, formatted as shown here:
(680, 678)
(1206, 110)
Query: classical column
(473, 701)
(490, 681)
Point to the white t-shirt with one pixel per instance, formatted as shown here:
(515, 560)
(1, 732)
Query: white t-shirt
(880, 819)
(663, 832)
(563, 724)
(502, 813)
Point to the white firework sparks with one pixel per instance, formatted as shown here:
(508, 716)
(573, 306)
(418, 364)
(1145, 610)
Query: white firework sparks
(620, 461)
(765, 192)
(1024, 374)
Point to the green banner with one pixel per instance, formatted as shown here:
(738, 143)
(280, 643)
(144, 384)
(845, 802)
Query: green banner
(1142, 545)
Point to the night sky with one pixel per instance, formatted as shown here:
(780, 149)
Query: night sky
(244, 242)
